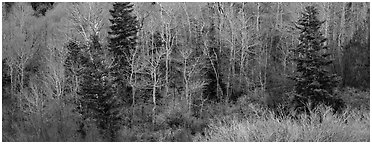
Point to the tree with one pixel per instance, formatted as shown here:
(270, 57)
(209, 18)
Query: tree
(314, 84)
(98, 101)
(192, 75)
(72, 67)
(20, 44)
(150, 72)
(153, 67)
(87, 19)
(122, 37)
(41, 8)
(122, 45)
(216, 88)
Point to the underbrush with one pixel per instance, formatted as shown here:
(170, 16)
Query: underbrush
(172, 123)
(320, 126)
(247, 120)
(355, 98)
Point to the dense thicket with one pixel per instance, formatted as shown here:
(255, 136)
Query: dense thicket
(140, 71)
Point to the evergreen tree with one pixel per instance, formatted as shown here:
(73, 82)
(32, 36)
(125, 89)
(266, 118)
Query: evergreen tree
(72, 65)
(314, 84)
(41, 8)
(122, 39)
(72, 69)
(97, 99)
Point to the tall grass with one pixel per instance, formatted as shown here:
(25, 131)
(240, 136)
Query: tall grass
(320, 126)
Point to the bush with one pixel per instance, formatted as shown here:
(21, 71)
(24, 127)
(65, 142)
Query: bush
(354, 98)
(320, 126)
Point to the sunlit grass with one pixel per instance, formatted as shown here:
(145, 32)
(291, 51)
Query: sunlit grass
(351, 126)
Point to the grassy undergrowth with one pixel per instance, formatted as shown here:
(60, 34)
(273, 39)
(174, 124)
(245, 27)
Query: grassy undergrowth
(244, 121)
(351, 126)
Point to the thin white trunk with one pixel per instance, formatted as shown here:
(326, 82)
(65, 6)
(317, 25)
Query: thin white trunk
(166, 31)
(242, 40)
(186, 84)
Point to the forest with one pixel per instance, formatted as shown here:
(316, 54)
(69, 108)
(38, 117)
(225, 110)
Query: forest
(185, 72)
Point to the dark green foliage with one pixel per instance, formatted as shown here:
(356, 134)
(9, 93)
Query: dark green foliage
(355, 99)
(236, 76)
(122, 37)
(180, 120)
(355, 62)
(5, 75)
(314, 84)
(41, 8)
(7, 8)
(277, 85)
(176, 119)
(213, 71)
(122, 42)
(74, 52)
(73, 65)
(157, 42)
(97, 101)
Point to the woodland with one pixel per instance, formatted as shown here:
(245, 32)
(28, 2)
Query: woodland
(185, 72)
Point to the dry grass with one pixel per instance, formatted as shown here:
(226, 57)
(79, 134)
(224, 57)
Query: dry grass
(351, 126)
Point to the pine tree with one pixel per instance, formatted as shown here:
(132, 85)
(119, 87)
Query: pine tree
(122, 38)
(98, 101)
(73, 66)
(314, 84)
(122, 41)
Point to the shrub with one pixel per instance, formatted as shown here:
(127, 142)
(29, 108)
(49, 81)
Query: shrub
(320, 126)
(355, 98)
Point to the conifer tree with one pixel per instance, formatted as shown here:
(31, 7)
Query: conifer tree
(314, 83)
(97, 99)
(122, 39)
(72, 64)
(73, 67)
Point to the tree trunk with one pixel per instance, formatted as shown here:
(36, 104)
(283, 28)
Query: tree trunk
(166, 31)
(154, 95)
(242, 40)
(258, 17)
(231, 59)
(341, 38)
(133, 103)
(186, 84)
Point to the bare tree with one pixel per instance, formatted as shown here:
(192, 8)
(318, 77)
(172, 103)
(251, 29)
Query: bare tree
(191, 71)
(166, 20)
(19, 45)
(87, 19)
(152, 57)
